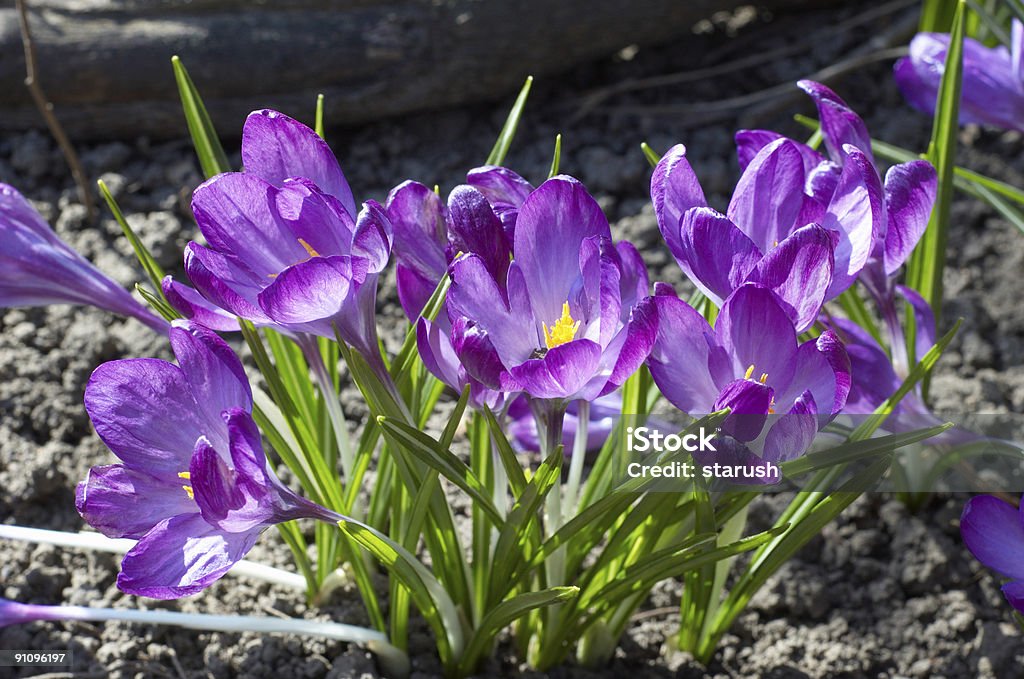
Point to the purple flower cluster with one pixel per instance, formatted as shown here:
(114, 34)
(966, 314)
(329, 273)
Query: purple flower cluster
(545, 310)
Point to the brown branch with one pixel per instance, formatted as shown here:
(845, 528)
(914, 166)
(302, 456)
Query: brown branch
(46, 109)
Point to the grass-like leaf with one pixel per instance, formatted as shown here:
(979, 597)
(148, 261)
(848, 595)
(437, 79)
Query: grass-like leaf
(508, 131)
(211, 154)
(154, 273)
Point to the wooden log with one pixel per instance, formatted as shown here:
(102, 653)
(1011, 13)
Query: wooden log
(105, 64)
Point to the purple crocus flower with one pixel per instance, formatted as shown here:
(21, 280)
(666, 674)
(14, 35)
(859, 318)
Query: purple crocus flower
(193, 484)
(38, 268)
(994, 532)
(547, 316)
(286, 245)
(882, 232)
(992, 89)
(780, 392)
(805, 250)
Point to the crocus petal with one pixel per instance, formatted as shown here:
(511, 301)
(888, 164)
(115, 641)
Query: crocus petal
(641, 333)
(476, 353)
(855, 214)
(417, 216)
(679, 356)
(414, 290)
(715, 254)
(475, 228)
(1017, 49)
(214, 373)
(499, 184)
(315, 218)
(181, 556)
(924, 320)
(195, 307)
(143, 410)
(126, 503)
(313, 290)
(435, 348)
(920, 92)
(224, 283)
(909, 196)
(552, 225)
(674, 190)
(276, 147)
(821, 185)
(749, 142)
(475, 295)
(373, 237)
(793, 433)
(799, 271)
(239, 494)
(992, 530)
(357, 321)
(769, 194)
(1014, 591)
(559, 374)
(635, 283)
(505, 190)
(874, 379)
(749, 402)
(839, 124)
(238, 215)
(756, 331)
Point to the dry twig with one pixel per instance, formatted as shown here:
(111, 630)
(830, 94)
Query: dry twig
(46, 109)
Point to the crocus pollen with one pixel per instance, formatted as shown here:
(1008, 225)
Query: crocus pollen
(563, 331)
(188, 489)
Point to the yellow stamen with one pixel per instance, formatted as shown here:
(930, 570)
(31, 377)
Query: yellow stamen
(188, 489)
(771, 406)
(764, 377)
(750, 371)
(309, 248)
(563, 331)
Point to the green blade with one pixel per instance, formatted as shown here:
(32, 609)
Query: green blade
(211, 154)
(508, 131)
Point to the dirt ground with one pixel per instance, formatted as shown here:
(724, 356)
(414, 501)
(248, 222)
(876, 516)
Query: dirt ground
(883, 592)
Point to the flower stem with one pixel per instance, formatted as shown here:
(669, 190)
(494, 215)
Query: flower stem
(101, 543)
(395, 661)
(311, 350)
(579, 452)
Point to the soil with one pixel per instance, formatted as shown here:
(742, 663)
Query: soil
(882, 592)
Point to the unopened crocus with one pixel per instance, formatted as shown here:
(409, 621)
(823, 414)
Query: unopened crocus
(287, 247)
(992, 87)
(780, 391)
(38, 268)
(993, 530)
(547, 317)
(193, 485)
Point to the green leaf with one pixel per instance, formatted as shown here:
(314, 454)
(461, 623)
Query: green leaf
(508, 131)
(512, 549)
(924, 272)
(936, 16)
(783, 546)
(142, 253)
(516, 476)
(319, 118)
(556, 159)
(430, 597)
(438, 457)
(157, 303)
(211, 154)
(652, 156)
(855, 450)
(504, 614)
